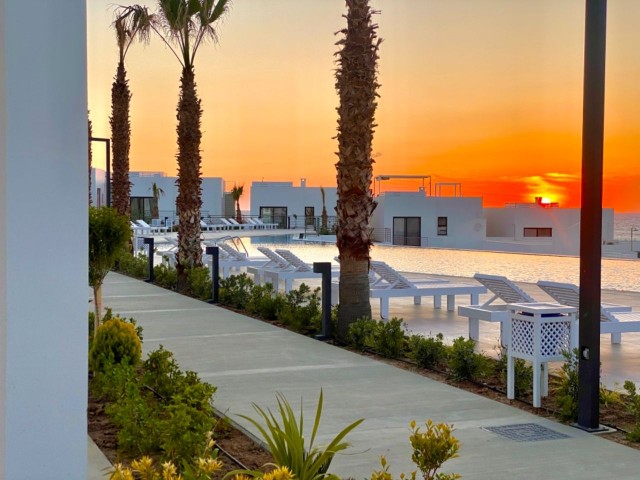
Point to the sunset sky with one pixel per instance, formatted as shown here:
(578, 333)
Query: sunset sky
(487, 93)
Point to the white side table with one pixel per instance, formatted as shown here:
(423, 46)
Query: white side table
(539, 332)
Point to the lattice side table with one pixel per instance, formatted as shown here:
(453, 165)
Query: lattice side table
(539, 332)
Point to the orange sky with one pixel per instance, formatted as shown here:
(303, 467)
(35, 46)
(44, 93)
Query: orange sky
(483, 92)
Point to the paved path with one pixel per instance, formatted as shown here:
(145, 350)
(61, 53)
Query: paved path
(249, 360)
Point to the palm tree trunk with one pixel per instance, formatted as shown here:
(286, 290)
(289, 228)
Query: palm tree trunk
(97, 303)
(357, 86)
(189, 198)
(120, 142)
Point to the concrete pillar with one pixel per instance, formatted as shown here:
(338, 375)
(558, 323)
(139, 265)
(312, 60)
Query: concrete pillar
(43, 239)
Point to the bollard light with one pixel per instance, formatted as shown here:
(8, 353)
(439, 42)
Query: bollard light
(215, 273)
(150, 241)
(325, 269)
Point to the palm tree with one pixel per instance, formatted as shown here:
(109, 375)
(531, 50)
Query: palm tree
(324, 228)
(157, 193)
(130, 23)
(236, 193)
(357, 85)
(183, 25)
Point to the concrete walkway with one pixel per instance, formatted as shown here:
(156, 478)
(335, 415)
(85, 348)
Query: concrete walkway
(249, 361)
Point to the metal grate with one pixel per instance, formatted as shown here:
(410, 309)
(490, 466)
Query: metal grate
(526, 432)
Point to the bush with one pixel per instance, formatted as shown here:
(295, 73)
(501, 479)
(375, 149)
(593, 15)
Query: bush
(165, 276)
(428, 352)
(388, 338)
(135, 266)
(634, 408)
(360, 333)
(523, 381)
(464, 363)
(265, 302)
(199, 283)
(235, 291)
(566, 387)
(301, 310)
(112, 382)
(115, 341)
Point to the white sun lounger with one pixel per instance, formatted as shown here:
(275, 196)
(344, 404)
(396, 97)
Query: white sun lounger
(241, 226)
(266, 225)
(151, 229)
(503, 289)
(386, 276)
(255, 224)
(569, 294)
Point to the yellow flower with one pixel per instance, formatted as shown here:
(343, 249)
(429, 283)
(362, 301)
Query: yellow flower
(209, 465)
(280, 473)
(169, 471)
(120, 472)
(240, 476)
(142, 465)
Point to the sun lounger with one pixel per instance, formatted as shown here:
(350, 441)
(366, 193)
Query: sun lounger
(569, 294)
(256, 225)
(138, 230)
(386, 276)
(503, 289)
(151, 229)
(241, 226)
(266, 225)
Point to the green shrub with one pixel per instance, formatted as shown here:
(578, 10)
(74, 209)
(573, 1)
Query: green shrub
(566, 386)
(112, 382)
(388, 338)
(199, 283)
(235, 290)
(116, 341)
(135, 266)
(360, 333)
(523, 381)
(161, 373)
(265, 302)
(301, 310)
(464, 363)
(633, 404)
(428, 352)
(165, 276)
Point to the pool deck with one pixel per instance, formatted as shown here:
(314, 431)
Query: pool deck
(249, 361)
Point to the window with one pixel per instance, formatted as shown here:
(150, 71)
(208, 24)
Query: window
(537, 232)
(442, 225)
(406, 231)
(309, 215)
(274, 215)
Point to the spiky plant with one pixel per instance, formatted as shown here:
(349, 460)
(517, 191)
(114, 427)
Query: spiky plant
(236, 193)
(183, 25)
(324, 228)
(357, 85)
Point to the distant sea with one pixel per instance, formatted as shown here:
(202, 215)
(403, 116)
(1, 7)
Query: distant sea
(622, 224)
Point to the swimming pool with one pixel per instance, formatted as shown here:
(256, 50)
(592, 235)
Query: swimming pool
(616, 274)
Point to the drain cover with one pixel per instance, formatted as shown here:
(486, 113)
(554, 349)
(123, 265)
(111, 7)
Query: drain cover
(526, 432)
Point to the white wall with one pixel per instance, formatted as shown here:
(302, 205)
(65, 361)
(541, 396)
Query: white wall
(466, 226)
(43, 282)
(295, 198)
(509, 223)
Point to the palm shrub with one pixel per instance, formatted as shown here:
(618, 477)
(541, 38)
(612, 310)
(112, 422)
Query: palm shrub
(427, 352)
(465, 363)
(115, 341)
(286, 441)
(523, 373)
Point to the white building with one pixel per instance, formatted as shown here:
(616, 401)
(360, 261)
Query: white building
(539, 228)
(142, 194)
(289, 205)
(413, 218)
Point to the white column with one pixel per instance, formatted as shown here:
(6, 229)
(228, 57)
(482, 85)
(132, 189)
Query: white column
(43, 239)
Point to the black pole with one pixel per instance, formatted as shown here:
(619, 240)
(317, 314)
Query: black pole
(108, 179)
(215, 273)
(591, 215)
(149, 241)
(325, 269)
